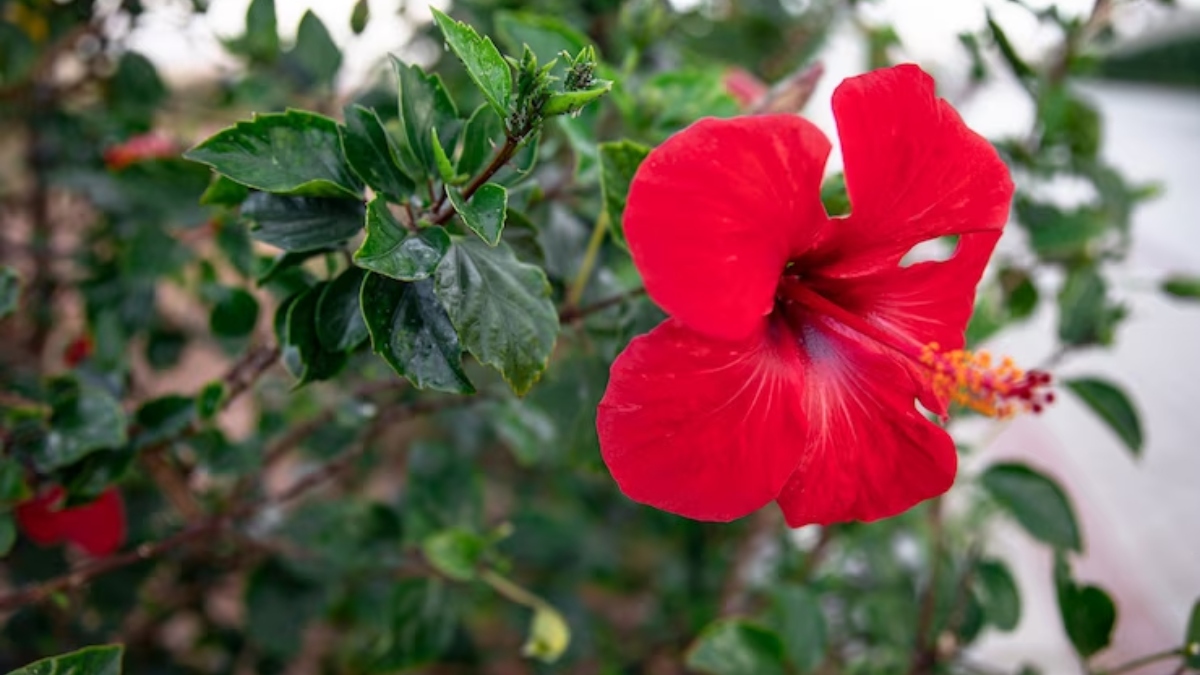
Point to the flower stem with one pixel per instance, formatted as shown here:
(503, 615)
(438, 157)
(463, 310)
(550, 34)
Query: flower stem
(575, 294)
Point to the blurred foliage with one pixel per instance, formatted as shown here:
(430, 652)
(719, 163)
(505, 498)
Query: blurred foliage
(357, 510)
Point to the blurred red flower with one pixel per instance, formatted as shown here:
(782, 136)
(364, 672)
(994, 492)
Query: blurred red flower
(98, 528)
(797, 344)
(78, 350)
(153, 145)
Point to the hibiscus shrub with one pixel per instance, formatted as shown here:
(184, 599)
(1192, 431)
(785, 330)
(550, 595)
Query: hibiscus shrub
(557, 350)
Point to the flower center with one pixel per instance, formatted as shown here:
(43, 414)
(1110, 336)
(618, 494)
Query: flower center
(967, 379)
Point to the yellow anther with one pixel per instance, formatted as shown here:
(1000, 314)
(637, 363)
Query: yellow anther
(972, 380)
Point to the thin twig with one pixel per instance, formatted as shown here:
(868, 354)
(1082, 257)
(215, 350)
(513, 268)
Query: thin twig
(1174, 652)
(573, 314)
(925, 649)
(764, 525)
(817, 555)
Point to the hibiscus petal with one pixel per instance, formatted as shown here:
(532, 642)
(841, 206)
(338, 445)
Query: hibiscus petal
(98, 528)
(37, 519)
(715, 213)
(705, 429)
(870, 453)
(914, 172)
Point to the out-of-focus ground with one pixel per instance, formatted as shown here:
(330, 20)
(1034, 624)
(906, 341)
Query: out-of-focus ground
(1141, 518)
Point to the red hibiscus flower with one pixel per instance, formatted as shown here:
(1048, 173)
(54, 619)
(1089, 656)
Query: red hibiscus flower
(97, 528)
(153, 145)
(798, 344)
(78, 350)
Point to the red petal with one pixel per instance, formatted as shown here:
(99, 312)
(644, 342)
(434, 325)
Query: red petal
(704, 429)
(870, 454)
(99, 527)
(715, 213)
(914, 172)
(38, 519)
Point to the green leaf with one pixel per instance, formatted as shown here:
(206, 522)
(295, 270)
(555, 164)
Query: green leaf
(393, 251)
(1113, 406)
(261, 41)
(424, 615)
(272, 268)
(101, 660)
(369, 151)
(12, 482)
(360, 16)
(797, 618)
(1085, 315)
(410, 329)
(998, 593)
(209, 400)
(444, 168)
(1088, 613)
(736, 647)
(1191, 638)
(293, 153)
(484, 213)
(279, 604)
(8, 533)
(1182, 286)
(501, 309)
(315, 52)
(424, 106)
(85, 419)
(546, 36)
(302, 352)
(549, 634)
(302, 223)
(455, 553)
(135, 92)
(484, 133)
(17, 54)
(340, 325)
(486, 67)
(1018, 65)
(234, 315)
(163, 418)
(834, 196)
(571, 102)
(10, 290)
(618, 162)
(1036, 501)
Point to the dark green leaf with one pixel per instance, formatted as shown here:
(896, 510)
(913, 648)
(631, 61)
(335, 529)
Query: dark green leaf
(1113, 406)
(302, 223)
(797, 618)
(315, 52)
(455, 553)
(102, 660)
(483, 135)
(294, 153)
(8, 533)
(370, 154)
(1085, 315)
(1088, 613)
(343, 537)
(485, 65)
(12, 482)
(484, 213)
(233, 239)
(163, 418)
(17, 54)
(136, 91)
(360, 16)
(393, 251)
(272, 268)
(1191, 638)
(234, 315)
(279, 605)
(1062, 235)
(411, 331)
(340, 325)
(424, 106)
(424, 615)
(501, 309)
(1037, 503)
(998, 593)
(261, 41)
(164, 347)
(209, 400)
(85, 419)
(302, 351)
(736, 647)
(618, 162)
(10, 290)
(570, 102)
(1182, 286)
(1015, 62)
